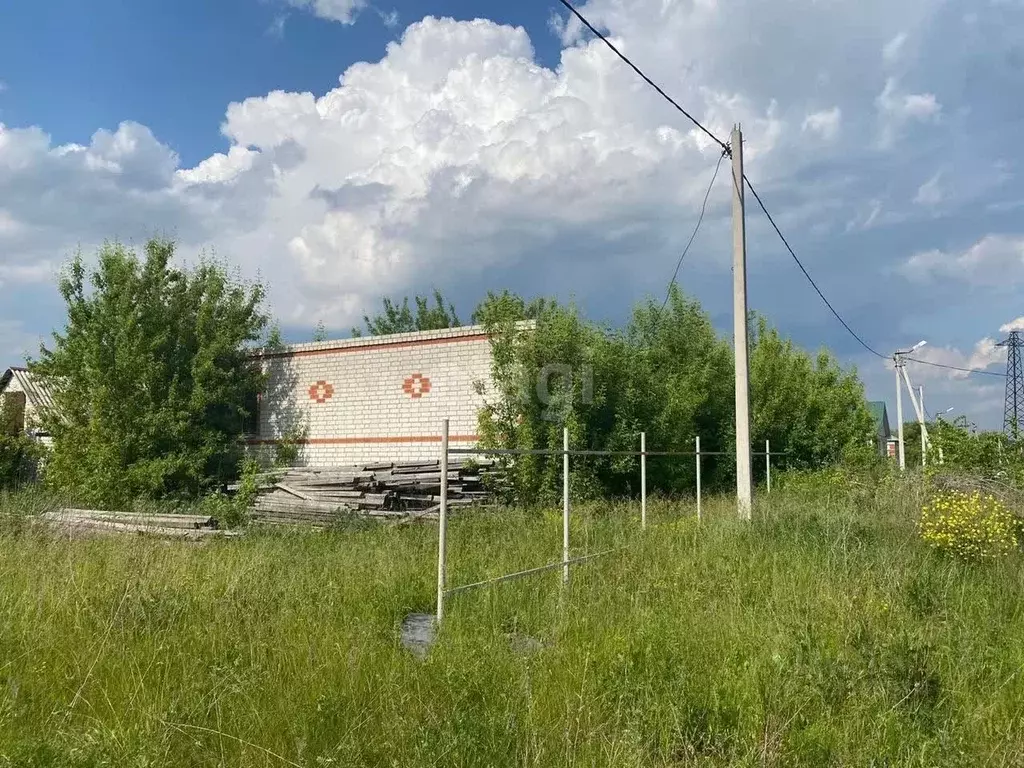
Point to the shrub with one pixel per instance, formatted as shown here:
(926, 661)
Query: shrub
(233, 511)
(667, 373)
(152, 376)
(970, 525)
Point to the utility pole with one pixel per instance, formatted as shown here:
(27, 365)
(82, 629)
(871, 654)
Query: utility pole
(900, 363)
(899, 408)
(739, 319)
(918, 411)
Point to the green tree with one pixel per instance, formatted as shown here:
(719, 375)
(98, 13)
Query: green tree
(19, 454)
(807, 407)
(395, 318)
(667, 373)
(150, 375)
(965, 448)
(496, 308)
(320, 332)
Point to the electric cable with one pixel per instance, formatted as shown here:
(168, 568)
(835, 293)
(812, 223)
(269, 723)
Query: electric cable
(696, 229)
(635, 68)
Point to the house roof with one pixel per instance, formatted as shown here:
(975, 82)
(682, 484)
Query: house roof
(879, 414)
(37, 391)
(362, 343)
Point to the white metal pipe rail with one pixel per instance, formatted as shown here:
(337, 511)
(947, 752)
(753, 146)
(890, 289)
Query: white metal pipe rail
(530, 571)
(444, 591)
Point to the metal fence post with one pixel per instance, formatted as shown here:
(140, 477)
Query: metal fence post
(442, 526)
(697, 441)
(565, 505)
(768, 464)
(643, 480)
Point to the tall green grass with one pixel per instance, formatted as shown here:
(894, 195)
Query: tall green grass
(822, 634)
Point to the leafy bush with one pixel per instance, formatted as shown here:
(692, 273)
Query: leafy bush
(19, 456)
(667, 373)
(151, 376)
(970, 525)
(232, 511)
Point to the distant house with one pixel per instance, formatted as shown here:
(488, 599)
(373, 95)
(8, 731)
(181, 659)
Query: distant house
(28, 396)
(884, 441)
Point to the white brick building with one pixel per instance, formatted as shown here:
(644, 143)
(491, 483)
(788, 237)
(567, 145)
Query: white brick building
(376, 398)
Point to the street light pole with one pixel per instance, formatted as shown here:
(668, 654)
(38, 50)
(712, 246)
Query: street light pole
(939, 427)
(924, 434)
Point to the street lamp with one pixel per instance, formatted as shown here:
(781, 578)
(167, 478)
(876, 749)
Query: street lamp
(913, 348)
(938, 418)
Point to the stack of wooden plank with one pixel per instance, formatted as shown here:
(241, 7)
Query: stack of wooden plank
(388, 490)
(102, 521)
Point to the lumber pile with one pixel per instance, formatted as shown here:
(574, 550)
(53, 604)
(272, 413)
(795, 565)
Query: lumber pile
(384, 490)
(102, 521)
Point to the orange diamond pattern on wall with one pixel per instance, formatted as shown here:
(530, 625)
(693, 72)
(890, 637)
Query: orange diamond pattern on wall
(416, 386)
(321, 392)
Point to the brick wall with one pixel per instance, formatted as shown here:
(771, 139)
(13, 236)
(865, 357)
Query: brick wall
(376, 398)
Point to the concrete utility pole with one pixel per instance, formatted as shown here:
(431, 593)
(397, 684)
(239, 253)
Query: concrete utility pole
(918, 411)
(899, 409)
(739, 318)
(900, 363)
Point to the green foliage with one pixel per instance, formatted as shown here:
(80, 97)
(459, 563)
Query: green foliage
(989, 455)
(401, 319)
(150, 376)
(667, 374)
(988, 452)
(320, 332)
(810, 409)
(499, 307)
(232, 511)
(19, 454)
(287, 448)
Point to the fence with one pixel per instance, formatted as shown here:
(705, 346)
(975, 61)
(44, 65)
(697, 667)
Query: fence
(444, 591)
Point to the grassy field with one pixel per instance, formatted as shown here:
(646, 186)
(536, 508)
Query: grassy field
(823, 633)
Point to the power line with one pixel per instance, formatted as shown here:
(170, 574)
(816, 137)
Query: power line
(807, 275)
(696, 229)
(726, 151)
(837, 315)
(635, 68)
(955, 367)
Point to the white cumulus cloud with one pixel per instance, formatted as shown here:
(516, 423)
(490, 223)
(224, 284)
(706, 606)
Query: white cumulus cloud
(995, 260)
(344, 11)
(930, 193)
(454, 154)
(897, 108)
(825, 123)
(894, 48)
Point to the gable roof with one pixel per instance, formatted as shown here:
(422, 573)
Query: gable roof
(37, 390)
(880, 415)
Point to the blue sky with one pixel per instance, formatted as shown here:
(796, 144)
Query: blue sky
(342, 150)
(174, 66)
